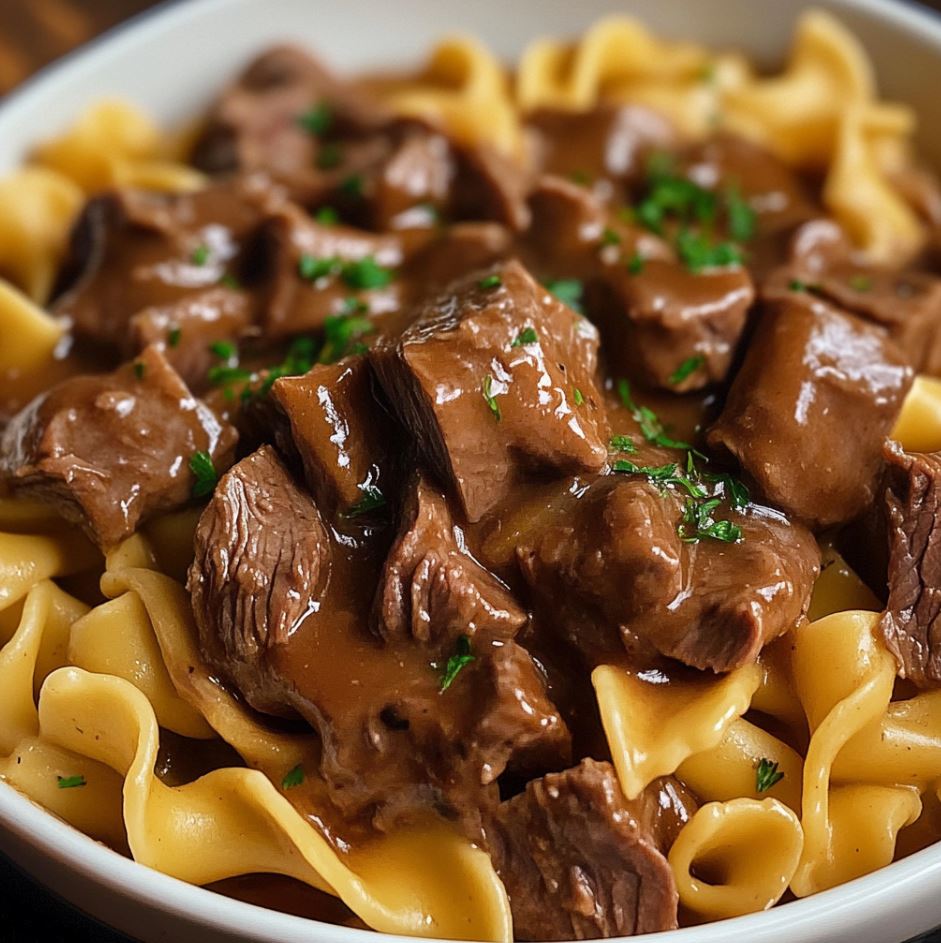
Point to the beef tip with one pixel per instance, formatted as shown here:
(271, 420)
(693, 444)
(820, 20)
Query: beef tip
(658, 322)
(432, 589)
(279, 115)
(573, 233)
(806, 416)
(608, 143)
(134, 250)
(906, 304)
(300, 270)
(262, 562)
(186, 330)
(912, 620)
(495, 380)
(613, 573)
(576, 863)
(662, 809)
(110, 451)
(340, 434)
(490, 186)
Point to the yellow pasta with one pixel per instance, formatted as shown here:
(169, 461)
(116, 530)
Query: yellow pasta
(465, 89)
(839, 588)
(735, 857)
(651, 728)
(39, 206)
(35, 331)
(918, 428)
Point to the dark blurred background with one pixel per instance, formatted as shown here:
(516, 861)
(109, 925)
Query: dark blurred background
(32, 34)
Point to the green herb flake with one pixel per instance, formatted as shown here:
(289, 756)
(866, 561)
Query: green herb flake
(205, 474)
(224, 350)
(609, 237)
(527, 336)
(327, 216)
(230, 281)
(490, 282)
(622, 443)
(698, 524)
(686, 369)
(568, 291)
(140, 368)
(490, 398)
(795, 284)
(352, 186)
(457, 662)
(341, 333)
(70, 782)
(174, 335)
(861, 283)
(200, 255)
(225, 374)
(698, 253)
(734, 490)
(318, 120)
(311, 268)
(741, 217)
(660, 474)
(767, 775)
(329, 157)
(365, 274)
(577, 396)
(373, 499)
(293, 777)
(636, 264)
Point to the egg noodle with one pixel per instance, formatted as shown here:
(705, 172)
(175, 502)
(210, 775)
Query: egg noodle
(88, 694)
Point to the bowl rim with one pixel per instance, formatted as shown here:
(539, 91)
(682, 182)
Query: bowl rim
(35, 826)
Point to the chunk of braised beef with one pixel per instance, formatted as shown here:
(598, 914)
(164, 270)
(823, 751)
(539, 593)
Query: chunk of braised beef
(613, 572)
(576, 861)
(133, 250)
(494, 380)
(608, 143)
(663, 809)
(304, 275)
(110, 451)
(279, 115)
(185, 330)
(806, 416)
(262, 562)
(341, 435)
(911, 623)
(907, 304)
(668, 326)
(432, 589)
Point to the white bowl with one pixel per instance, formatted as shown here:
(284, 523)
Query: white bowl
(172, 61)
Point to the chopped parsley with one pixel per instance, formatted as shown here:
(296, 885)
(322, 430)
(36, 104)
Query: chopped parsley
(490, 282)
(622, 443)
(698, 524)
(301, 356)
(490, 398)
(766, 775)
(661, 474)
(352, 186)
(609, 237)
(735, 491)
(568, 291)
(205, 474)
(230, 281)
(741, 216)
(686, 369)
(173, 336)
(140, 368)
(861, 283)
(226, 374)
(293, 777)
(651, 427)
(527, 336)
(224, 350)
(311, 268)
(577, 396)
(70, 782)
(795, 284)
(318, 120)
(365, 273)
(200, 255)
(636, 264)
(342, 336)
(458, 661)
(373, 499)
(327, 216)
(698, 252)
(329, 156)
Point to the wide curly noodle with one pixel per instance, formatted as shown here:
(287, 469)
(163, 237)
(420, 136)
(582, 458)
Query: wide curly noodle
(84, 693)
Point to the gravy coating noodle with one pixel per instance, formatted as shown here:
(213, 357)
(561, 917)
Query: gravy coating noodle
(501, 503)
